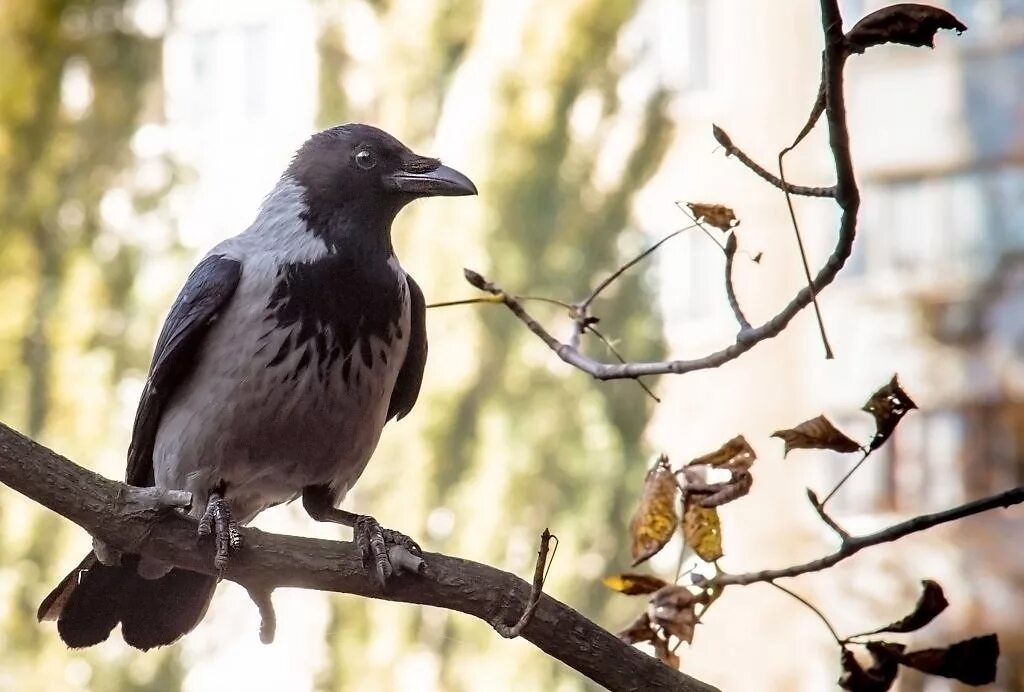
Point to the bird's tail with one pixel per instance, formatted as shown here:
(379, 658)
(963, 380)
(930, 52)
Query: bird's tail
(89, 602)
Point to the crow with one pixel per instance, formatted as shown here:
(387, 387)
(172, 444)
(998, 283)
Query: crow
(287, 350)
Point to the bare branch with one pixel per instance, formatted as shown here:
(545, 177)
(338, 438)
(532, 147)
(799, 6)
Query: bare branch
(803, 190)
(269, 561)
(855, 544)
(819, 507)
(730, 292)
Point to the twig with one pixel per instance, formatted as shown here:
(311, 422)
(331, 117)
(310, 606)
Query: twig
(585, 303)
(614, 351)
(843, 480)
(465, 301)
(810, 606)
(730, 292)
(732, 150)
(819, 507)
(537, 588)
(895, 532)
(803, 260)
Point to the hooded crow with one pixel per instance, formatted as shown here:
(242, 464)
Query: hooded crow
(288, 349)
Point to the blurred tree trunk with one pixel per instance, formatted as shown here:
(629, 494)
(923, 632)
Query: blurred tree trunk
(505, 444)
(77, 80)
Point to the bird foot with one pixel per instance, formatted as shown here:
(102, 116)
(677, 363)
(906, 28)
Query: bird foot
(386, 552)
(217, 520)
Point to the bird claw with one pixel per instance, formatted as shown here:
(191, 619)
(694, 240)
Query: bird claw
(386, 552)
(217, 520)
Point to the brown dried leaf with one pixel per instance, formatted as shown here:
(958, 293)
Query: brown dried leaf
(972, 661)
(634, 584)
(656, 518)
(888, 405)
(720, 493)
(816, 433)
(879, 677)
(639, 630)
(907, 23)
(717, 215)
(931, 602)
(734, 454)
(702, 530)
(673, 608)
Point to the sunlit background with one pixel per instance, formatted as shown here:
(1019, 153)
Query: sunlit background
(135, 135)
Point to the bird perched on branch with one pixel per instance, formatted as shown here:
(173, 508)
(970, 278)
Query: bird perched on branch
(288, 349)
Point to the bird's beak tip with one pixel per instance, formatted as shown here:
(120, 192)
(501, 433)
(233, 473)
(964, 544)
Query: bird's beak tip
(443, 181)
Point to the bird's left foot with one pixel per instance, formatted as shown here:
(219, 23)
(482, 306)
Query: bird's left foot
(217, 520)
(386, 552)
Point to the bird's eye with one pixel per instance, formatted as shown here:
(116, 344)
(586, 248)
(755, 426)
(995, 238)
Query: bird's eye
(366, 159)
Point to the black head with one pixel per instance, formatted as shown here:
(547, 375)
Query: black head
(356, 178)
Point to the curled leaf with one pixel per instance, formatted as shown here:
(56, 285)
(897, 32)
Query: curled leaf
(736, 453)
(717, 215)
(733, 489)
(907, 23)
(931, 602)
(879, 677)
(634, 584)
(816, 433)
(639, 630)
(656, 518)
(888, 405)
(702, 530)
(972, 661)
(673, 609)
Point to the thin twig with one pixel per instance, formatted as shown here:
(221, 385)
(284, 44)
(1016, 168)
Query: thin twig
(803, 260)
(730, 291)
(466, 301)
(810, 606)
(608, 344)
(895, 532)
(539, 574)
(585, 303)
(843, 480)
(819, 507)
(732, 150)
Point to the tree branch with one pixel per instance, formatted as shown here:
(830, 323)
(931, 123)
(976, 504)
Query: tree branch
(853, 545)
(270, 561)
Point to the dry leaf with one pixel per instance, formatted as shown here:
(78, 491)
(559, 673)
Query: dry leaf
(816, 433)
(888, 405)
(720, 493)
(634, 584)
(736, 453)
(972, 661)
(639, 630)
(879, 677)
(673, 608)
(702, 530)
(907, 23)
(931, 602)
(717, 215)
(656, 518)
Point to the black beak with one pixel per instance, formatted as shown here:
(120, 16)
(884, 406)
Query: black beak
(440, 182)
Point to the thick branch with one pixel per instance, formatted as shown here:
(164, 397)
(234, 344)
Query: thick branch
(853, 545)
(270, 561)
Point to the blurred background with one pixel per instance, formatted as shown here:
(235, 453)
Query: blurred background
(134, 135)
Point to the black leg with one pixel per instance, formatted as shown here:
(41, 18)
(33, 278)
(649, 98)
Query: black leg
(386, 550)
(218, 521)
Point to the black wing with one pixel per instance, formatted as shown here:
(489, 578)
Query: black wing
(410, 377)
(207, 290)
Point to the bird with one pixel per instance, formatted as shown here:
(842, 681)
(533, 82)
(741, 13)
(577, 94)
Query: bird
(285, 353)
